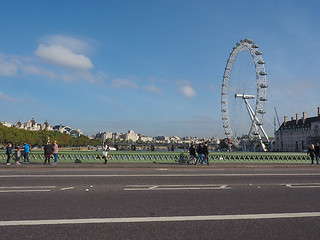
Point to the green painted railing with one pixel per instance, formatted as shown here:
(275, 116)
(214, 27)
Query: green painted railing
(167, 157)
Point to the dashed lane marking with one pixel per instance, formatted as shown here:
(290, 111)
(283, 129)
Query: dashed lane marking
(67, 188)
(175, 187)
(24, 189)
(303, 185)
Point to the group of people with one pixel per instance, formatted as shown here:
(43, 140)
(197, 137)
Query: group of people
(9, 153)
(314, 151)
(202, 151)
(48, 150)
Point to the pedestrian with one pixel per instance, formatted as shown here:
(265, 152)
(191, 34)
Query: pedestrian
(26, 152)
(192, 151)
(9, 153)
(317, 151)
(18, 156)
(311, 153)
(48, 149)
(105, 153)
(55, 152)
(205, 151)
(200, 153)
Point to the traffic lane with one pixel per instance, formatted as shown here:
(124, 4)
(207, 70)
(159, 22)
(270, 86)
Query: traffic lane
(118, 181)
(52, 170)
(113, 201)
(285, 229)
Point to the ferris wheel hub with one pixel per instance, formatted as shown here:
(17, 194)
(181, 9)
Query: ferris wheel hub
(244, 96)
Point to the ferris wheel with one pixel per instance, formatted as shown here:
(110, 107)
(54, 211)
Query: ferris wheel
(235, 92)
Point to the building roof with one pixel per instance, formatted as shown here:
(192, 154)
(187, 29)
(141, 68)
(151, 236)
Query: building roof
(293, 124)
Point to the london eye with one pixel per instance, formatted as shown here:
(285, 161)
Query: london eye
(244, 94)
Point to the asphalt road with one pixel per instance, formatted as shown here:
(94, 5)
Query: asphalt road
(160, 203)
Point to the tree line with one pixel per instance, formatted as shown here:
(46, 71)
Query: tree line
(39, 138)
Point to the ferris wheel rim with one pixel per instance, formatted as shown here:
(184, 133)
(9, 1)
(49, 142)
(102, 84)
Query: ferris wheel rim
(259, 110)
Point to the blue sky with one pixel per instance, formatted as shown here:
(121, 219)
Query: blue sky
(155, 67)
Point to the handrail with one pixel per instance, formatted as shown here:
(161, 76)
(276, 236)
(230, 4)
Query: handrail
(168, 157)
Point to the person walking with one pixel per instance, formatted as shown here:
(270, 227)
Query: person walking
(9, 153)
(317, 152)
(205, 151)
(311, 153)
(200, 153)
(55, 152)
(48, 149)
(192, 152)
(105, 153)
(26, 152)
(18, 156)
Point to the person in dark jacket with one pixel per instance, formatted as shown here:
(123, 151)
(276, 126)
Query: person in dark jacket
(311, 153)
(205, 151)
(48, 149)
(200, 154)
(192, 151)
(9, 153)
(317, 151)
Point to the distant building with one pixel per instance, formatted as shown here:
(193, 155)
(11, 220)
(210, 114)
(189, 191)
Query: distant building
(145, 138)
(6, 124)
(162, 139)
(298, 134)
(131, 136)
(104, 135)
(68, 130)
(32, 125)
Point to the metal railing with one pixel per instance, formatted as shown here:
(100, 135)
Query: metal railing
(168, 157)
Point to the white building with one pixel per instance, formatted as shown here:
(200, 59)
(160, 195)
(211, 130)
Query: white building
(32, 125)
(131, 136)
(6, 124)
(145, 138)
(298, 134)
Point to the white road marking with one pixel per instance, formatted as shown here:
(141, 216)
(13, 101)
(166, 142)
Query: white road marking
(67, 188)
(160, 219)
(162, 175)
(175, 187)
(22, 191)
(303, 185)
(26, 187)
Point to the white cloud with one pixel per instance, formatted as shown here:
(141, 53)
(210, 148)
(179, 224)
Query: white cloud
(7, 98)
(35, 70)
(188, 91)
(124, 83)
(153, 89)
(7, 69)
(73, 44)
(64, 57)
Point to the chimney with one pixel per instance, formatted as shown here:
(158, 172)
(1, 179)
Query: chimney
(297, 117)
(285, 120)
(318, 111)
(304, 114)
